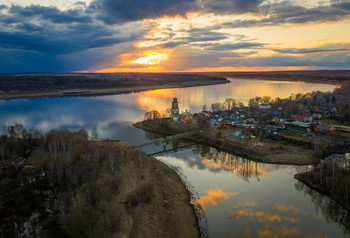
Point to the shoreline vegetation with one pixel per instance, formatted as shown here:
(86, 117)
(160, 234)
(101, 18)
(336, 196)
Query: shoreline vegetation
(338, 77)
(331, 177)
(62, 184)
(269, 152)
(61, 85)
(16, 86)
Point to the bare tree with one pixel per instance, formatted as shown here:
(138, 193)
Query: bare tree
(94, 134)
(229, 103)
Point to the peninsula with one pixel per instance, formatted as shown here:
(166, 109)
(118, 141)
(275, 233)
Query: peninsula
(63, 184)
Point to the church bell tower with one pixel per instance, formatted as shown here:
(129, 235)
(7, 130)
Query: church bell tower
(174, 107)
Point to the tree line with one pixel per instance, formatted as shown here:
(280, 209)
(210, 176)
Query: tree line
(72, 184)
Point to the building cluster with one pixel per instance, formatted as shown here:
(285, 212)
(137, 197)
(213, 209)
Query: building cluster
(304, 117)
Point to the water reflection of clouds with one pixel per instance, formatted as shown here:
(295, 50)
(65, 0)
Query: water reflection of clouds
(271, 231)
(286, 208)
(249, 210)
(242, 168)
(213, 197)
(246, 209)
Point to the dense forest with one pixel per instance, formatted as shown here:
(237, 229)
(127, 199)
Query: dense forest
(337, 76)
(44, 82)
(66, 184)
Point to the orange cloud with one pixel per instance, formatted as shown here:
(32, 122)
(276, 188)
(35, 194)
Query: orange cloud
(239, 213)
(259, 216)
(264, 217)
(214, 196)
(247, 204)
(318, 216)
(291, 219)
(282, 207)
(275, 232)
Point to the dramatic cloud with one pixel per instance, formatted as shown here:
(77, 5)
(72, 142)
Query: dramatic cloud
(112, 34)
(213, 197)
(324, 49)
(50, 37)
(117, 11)
(231, 6)
(286, 12)
(52, 14)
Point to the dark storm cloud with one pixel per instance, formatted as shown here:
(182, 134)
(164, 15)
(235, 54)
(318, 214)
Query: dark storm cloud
(288, 13)
(116, 11)
(200, 35)
(52, 38)
(52, 14)
(74, 39)
(231, 6)
(3, 7)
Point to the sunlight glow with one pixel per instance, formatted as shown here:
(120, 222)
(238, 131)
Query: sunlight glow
(151, 58)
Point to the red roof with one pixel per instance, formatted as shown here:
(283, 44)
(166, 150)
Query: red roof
(300, 117)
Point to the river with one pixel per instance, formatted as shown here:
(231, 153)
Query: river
(241, 198)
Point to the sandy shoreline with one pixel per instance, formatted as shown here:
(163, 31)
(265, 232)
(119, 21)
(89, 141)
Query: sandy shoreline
(106, 91)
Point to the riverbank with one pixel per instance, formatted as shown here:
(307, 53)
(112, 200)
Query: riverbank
(338, 77)
(100, 92)
(331, 177)
(38, 86)
(306, 179)
(266, 151)
(89, 189)
(168, 213)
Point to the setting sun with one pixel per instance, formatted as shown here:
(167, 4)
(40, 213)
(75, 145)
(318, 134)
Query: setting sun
(151, 58)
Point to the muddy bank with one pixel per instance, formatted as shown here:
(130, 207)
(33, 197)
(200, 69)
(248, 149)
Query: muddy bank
(264, 151)
(169, 212)
(305, 179)
(331, 177)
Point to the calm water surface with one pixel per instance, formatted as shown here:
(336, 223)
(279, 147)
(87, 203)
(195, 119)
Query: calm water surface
(241, 198)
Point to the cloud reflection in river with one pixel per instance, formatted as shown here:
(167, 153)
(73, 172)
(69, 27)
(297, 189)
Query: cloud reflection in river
(213, 197)
(241, 167)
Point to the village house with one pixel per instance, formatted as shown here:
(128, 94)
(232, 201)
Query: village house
(264, 106)
(324, 127)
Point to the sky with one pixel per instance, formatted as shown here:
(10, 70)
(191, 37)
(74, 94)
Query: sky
(173, 35)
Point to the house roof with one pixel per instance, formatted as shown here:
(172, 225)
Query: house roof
(300, 117)
(324, 126)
